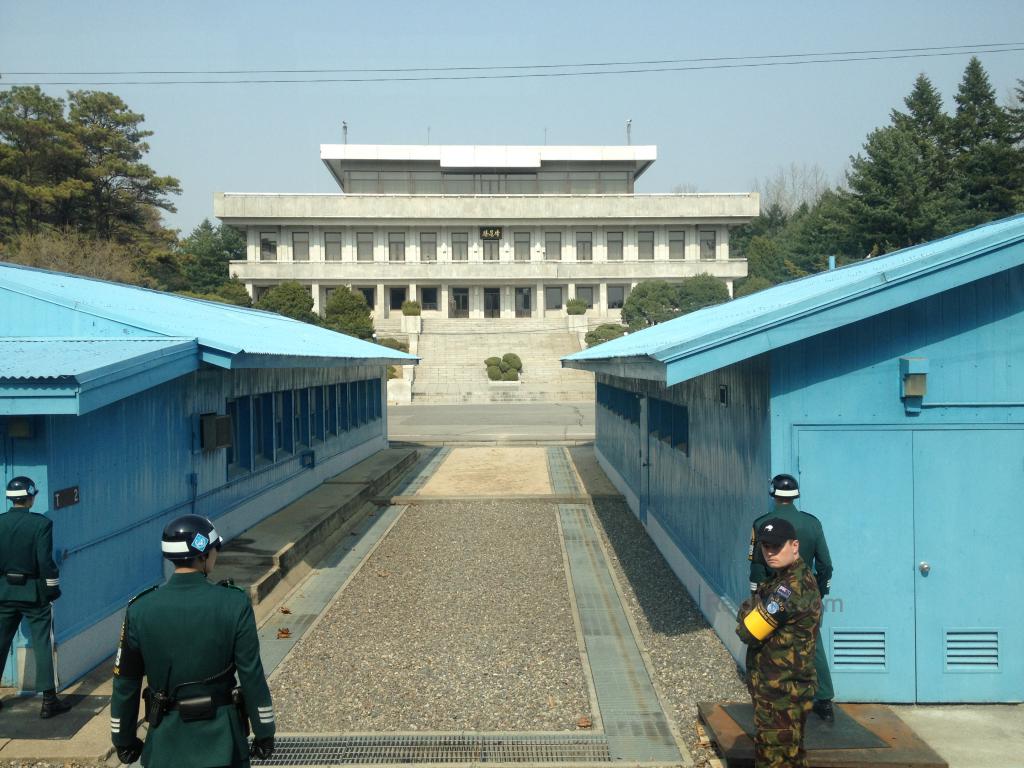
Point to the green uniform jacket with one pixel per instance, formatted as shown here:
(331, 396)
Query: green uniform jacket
(190, 629)
(26, 547)
(782, 664)
(813, 548)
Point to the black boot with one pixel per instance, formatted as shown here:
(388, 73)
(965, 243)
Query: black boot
(52, 706)
(823, 709)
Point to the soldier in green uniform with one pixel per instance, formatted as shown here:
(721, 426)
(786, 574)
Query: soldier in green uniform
(814, 553)
(29, 583)
(189, 638)
(779, 623)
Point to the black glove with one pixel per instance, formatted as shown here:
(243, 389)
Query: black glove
(263, 748)
(53, 594)
(131, 753)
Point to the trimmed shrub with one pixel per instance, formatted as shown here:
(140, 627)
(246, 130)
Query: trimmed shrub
(604, 332)
(494, 373)
(513, 360)
(576, 307)
(410, 307)
(492, 361)
(510, 375)
(393, 372)
(505, 367)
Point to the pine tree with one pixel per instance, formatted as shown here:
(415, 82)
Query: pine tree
(206, 254)
(291, 300)
(347, 312)
(986, 159)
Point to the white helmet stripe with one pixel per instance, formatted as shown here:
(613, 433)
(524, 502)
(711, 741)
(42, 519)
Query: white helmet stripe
(174, 547)
(213, 536)
(17, 494)
(787, 494)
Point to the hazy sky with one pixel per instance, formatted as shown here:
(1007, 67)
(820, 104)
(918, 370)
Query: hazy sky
(716, 130)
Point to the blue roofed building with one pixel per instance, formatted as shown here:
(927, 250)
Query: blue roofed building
(894, 390)
(130, 407)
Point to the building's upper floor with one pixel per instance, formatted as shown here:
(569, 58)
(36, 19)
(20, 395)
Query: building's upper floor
(430, 169)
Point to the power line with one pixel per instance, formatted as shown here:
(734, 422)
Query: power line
(367, 70)
(523, 75)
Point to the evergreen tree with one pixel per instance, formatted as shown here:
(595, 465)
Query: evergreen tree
(347, 312)
(701, 291)
(121, 186)
(206, 253)
(986, 159)
(38, 157)
(291, 300)
(649, 303)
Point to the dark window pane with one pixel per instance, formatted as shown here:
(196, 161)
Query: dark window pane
(614, 246)
(584, 246)
(645, 245)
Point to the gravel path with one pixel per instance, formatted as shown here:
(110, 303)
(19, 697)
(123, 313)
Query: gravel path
(460, 620)
(690, 662)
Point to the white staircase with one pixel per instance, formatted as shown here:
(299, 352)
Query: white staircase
(452, 354)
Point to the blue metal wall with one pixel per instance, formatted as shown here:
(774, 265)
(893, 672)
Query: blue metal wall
(134, 464)
(706, 497)
(895, 488)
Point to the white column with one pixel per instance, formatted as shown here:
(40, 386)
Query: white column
(317, 300)
(381, 308)
(602, 301)
(723, 249)
(538, 305)
(442, 300)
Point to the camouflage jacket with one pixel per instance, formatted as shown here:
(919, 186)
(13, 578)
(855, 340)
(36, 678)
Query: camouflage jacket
(786, 657)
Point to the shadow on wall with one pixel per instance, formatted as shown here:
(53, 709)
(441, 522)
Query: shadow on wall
(664, 601)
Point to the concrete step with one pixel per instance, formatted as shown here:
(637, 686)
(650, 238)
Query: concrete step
(278, 551)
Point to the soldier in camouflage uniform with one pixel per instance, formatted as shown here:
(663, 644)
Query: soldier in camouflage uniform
(778, 624)
(814, 552)
(190, 638)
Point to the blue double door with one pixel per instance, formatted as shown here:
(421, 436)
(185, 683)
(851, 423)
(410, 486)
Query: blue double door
(923, 526)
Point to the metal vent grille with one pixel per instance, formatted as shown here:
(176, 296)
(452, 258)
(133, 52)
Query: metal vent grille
(455, 748)
(972, 650)
(858, 650)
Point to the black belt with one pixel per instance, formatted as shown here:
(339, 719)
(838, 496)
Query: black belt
(220, 699)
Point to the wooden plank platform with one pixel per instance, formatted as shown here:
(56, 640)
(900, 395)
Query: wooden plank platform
(901, 747)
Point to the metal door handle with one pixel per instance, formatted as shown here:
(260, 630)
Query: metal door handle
(924, 568)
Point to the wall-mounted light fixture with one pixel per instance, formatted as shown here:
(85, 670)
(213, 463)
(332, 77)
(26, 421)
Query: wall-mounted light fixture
(913, 382)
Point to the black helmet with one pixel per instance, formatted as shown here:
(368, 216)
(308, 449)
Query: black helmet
(189, 536)
(784, 487)
(21, 488)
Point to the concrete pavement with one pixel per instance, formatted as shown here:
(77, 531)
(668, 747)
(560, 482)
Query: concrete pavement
(492, 423)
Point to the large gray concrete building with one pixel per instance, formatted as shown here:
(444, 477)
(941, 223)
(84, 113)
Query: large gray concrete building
(484, 231)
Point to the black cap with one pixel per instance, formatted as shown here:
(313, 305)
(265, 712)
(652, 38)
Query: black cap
(775, 531)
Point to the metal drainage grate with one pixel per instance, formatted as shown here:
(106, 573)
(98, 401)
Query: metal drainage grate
(462, 748)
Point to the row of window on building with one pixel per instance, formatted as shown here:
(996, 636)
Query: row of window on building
(521, 246)
(667, 422)
(458, 297)
(276, 426)
(561, 182)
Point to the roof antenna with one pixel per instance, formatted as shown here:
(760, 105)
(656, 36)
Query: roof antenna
(344, 132)
(428, 134)
(629, 131)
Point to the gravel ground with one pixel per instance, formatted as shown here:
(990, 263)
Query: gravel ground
(690, 662)
(460, 620)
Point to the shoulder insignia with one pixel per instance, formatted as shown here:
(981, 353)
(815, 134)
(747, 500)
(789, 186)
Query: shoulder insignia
(230, 583)
(143, 592)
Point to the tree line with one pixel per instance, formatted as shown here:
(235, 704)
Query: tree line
(76, 195)
(925, 175)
